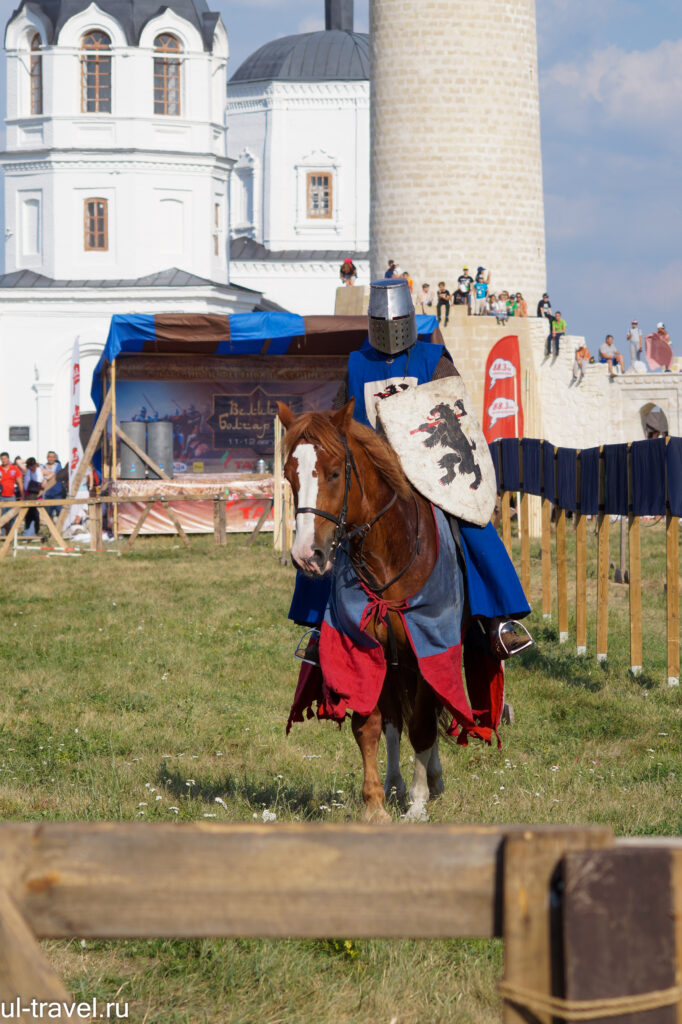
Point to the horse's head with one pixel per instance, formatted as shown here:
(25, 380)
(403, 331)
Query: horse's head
(316, 467)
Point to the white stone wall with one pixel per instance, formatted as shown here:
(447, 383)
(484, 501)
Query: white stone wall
(290, 129)
(455, 141)
(161, 175)
(37, 330)
(308, 289)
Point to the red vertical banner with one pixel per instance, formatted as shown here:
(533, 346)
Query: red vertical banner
(502, 405)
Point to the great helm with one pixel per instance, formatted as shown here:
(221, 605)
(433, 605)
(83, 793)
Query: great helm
(392, 321)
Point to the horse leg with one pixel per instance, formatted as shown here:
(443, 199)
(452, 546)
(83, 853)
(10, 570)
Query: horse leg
(423, 731)
(367, 732)
(434, 773)
(394, 784)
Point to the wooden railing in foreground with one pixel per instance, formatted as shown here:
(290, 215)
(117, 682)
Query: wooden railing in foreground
(583, 917)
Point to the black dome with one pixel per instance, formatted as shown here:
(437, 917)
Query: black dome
(331, 55)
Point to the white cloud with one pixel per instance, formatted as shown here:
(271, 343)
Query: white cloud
(636, 86)
(311, 24)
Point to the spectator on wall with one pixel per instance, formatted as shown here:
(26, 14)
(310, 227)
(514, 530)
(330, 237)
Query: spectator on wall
(521, 305)
(558, 331)
(481, 286)
(608, 353)
(391, 269)
(634, 336)
(348, 271)
(425, 298)
(463, 292)
(582, 359)
(443, 302)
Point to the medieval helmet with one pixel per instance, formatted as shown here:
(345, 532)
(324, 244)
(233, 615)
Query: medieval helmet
(392, 321)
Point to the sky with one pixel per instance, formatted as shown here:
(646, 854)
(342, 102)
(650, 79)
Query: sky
(611, 106)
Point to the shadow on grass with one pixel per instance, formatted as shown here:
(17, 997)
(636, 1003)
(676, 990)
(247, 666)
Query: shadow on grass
(559, 662)
(302, 799)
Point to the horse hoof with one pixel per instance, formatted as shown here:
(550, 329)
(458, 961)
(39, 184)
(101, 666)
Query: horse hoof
(416, 812)
(376, 815)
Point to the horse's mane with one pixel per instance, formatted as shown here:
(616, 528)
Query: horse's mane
(317, 428)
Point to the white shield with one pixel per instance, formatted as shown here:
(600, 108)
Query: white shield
(439, 441)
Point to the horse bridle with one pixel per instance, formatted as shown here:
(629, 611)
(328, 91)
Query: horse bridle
(343, 536)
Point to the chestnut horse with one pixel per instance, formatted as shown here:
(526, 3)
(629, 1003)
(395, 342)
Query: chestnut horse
(351, 494)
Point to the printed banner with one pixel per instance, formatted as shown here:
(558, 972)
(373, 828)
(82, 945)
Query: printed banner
(226, 424)
(75, 447)
(502, 405)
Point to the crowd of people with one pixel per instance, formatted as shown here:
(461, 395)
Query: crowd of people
(30, 480)
(610, 355)
(474, 293)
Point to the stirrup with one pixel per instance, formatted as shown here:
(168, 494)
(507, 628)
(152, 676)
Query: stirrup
(308, 649)
(509, 638)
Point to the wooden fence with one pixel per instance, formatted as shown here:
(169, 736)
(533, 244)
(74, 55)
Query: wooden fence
(622, 484)
(592, 927)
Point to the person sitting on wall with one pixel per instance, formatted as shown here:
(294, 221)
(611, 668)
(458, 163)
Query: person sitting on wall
(443, 302)
(582, 359)
(348, 271)
(608, 353)
(558, 331)
(391, 269)
(425, 298)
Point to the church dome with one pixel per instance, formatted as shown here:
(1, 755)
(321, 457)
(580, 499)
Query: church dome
(329, 55)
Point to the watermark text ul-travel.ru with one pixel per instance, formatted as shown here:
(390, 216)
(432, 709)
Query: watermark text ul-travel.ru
(38, 1009)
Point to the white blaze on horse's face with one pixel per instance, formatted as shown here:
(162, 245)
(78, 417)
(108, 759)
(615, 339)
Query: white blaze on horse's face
(303, 549)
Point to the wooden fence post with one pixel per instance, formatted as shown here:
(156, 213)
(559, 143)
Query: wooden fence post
(602, 570)
(524, 527)
(580, 572)
(546, 549)
(672, 538)
(561, 580)
(635, 578)
(219, 521)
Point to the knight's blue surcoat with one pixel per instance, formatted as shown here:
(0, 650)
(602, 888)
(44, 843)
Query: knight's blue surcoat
(493, 587)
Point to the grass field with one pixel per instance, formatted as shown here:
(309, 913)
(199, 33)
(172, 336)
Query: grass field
(156, 686)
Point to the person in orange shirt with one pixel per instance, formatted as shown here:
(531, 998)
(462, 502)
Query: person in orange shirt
(582, 357)
(10, 478)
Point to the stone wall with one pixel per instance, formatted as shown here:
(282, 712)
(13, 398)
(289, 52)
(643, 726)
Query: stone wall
(456, 172)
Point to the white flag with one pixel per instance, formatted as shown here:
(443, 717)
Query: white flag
(75, 447)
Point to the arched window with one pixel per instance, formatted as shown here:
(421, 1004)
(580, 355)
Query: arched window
(36, 76)
(167, 75)
(96, 73)
(96, 225)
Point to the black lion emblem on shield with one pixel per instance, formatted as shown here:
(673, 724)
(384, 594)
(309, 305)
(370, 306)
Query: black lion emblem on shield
(443, 428)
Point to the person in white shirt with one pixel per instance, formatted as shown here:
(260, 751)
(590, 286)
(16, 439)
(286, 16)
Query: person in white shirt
(634, 336)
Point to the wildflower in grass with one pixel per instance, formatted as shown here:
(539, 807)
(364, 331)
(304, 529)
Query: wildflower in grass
(174, 809)
(210, 815)
(323, 807)
(190, 783)
(555, 767)
(219, 800)
(268, 815)
(143, 803)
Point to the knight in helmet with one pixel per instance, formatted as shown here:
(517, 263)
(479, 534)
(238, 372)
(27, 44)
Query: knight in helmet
(392, 359)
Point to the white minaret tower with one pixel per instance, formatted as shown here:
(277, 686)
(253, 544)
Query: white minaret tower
(456, 169)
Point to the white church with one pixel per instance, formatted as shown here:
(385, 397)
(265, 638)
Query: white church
(122, 190)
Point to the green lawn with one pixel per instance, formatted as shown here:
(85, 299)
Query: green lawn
(156, 687)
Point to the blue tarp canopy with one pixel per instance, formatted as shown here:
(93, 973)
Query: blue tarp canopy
(239, 334)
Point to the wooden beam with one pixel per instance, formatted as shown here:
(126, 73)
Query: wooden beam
(141, 453)
(525, 545)
(546, 559)
(138, 526)
(16, 526)
(172, 515)
(531, 862)
(603, 561)
(259, 525)
(25, 972)
(621, 953)
(52, 529)
(219, 521)
(95, 524)
(672, 539)
(117, 879)
(90, 450)
(561, 576)
(581, 583)
(506, 521)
